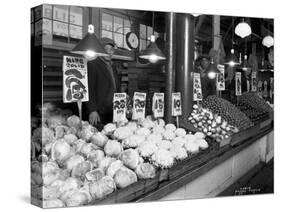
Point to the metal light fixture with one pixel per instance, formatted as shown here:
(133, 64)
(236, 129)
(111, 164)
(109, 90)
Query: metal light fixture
(212, 70)
(89, 46)
(232, 59)
(243, 29)
(245, 66)
(152, 52)
(268, 41)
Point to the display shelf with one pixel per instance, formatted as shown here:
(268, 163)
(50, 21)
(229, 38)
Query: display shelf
(185, 171)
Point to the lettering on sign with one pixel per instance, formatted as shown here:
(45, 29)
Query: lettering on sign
(158, 105)
(75, 79)
(176, 104)
(139, 105)
(119, 107)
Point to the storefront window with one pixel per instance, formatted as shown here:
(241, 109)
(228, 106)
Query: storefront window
(115, 28)
(59, 22)
(145, 34)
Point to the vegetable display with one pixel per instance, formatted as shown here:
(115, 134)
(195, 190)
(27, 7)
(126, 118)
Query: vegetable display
(254, 106)
(210, 124)
(227, 111)
(81, 164)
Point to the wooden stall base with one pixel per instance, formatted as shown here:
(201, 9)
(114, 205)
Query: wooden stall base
(185, 171)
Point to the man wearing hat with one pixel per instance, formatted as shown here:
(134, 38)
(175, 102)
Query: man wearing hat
(103, 82)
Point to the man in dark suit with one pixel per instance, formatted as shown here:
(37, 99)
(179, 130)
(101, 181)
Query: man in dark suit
(103, 82)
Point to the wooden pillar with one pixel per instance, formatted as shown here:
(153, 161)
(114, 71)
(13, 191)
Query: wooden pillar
(170, 66)
(216, 36)
(184, 60)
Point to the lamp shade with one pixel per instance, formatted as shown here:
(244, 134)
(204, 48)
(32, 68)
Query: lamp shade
(212, 70)
(243, 29)
(152, 52)
(232, 59)
(268, 41)
(89, 46)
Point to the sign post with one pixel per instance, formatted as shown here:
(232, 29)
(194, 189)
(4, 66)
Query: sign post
(75, 81)
(119, 107)
(158, 105)
(197, 88)
(139, 106)
(176, 106)
(238, 87)
(220, 79)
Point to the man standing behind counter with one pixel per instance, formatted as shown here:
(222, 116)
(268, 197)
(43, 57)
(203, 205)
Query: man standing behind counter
(103, 82)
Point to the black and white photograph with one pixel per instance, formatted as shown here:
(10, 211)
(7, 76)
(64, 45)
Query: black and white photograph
(132, 105)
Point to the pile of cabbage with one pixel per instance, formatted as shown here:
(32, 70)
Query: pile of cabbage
(79, 164)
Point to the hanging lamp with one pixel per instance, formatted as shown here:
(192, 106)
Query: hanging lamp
(152, 52)
(212, 70)
(90, 47)
(232, 60)
(245, 66)
(268, 41)
(243, 29)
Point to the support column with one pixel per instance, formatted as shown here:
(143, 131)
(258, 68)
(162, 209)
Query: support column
(170, 65)
(184, 60)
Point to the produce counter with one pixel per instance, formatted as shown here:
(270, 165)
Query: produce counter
(207, 174)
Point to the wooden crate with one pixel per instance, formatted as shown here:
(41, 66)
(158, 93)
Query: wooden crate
(131, 192)
(244, 135)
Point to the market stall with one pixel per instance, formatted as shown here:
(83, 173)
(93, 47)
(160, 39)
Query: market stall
(182, 127)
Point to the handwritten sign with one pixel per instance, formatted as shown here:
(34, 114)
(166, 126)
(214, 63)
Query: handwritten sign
(265, 89)
(75, 79)
(254, 81)
(176, 104)
(139, 106)
(221, 78)
(158, 105)
(119, 107)
(260, 88)
(238, 89)
(197, 89)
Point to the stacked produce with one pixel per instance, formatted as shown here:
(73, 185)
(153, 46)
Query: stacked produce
(227, 111)
(211, 124)
(254, 106)
(78, 164)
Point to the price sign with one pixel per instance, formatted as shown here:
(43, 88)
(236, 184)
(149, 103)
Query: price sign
(75, 79)
(197, 89)
(265, 89)
(158, 105)
(139, 106)
(176, 104)
(119, 107)
(260, 88)
(238, 89)
(254, 81)
(271, 83)
(221, 78)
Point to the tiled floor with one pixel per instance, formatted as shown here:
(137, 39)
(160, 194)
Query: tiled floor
(259, 180)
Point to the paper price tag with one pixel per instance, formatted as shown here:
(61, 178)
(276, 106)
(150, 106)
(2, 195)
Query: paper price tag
(260, 88)
(139, 106)
(221, 78)
(238, 89)
(75, 79)
(158, 105)
(119, 107)
(176, 104)
(254, 81)
(197, 89)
